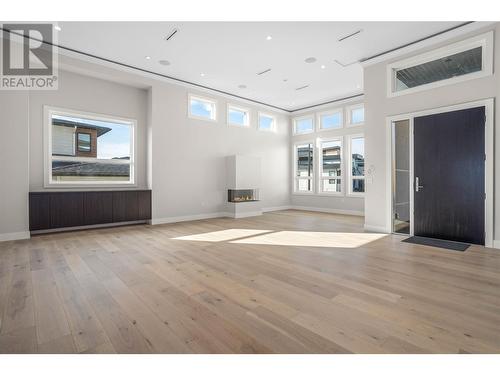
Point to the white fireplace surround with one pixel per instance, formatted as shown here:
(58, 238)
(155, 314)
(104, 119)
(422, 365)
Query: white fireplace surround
(243, 172)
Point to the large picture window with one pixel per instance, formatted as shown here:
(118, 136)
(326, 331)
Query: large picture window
(356, 164)
(88, 149)
(304, 168)
(331, 166)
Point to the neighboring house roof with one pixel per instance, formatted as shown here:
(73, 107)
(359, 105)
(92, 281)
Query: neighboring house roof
(70, 168)
(100, 129)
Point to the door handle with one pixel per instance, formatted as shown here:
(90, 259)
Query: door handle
(418, 187)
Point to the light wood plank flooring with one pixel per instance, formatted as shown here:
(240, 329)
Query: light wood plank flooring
(285, 282)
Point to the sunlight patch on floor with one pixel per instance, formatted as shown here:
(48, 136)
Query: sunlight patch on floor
(315, 239)
(222, 235)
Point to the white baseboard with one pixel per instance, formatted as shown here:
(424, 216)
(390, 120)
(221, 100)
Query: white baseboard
(213, 215)
(241, 215)
(374, 228)
(329, 210)
(14, 236)
(277, 208)
(178, 219)
(496, 244)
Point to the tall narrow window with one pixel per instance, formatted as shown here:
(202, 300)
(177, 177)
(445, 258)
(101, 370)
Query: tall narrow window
(303, 125)
(357, 165)
(85, 149)
(304, 168)
(201, 108)
(331, 166)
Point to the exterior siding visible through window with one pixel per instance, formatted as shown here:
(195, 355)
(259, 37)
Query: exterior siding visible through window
(357, 165)
(88, 149)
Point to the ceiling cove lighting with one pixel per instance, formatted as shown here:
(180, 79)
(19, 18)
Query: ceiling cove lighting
(310, 60)
(350, 35)
(264, 72)
(171, 34)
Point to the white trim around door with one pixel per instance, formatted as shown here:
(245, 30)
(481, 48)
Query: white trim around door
(489, 105)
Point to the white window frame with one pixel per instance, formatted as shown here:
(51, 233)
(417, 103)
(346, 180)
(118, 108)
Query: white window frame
(320, 167)
(48, 112)
(296, 119)
(312, 178)
(264, 114)
(484, 40)
(240, 109)
(350, 177)
(330, 112)
(202, 99)
(349, 110)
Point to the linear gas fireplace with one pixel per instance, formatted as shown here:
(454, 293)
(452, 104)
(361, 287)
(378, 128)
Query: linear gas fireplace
(242, 195)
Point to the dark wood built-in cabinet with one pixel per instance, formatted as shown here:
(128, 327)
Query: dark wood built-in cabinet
(53, 210)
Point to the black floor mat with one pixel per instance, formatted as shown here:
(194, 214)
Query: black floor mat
(450, 245)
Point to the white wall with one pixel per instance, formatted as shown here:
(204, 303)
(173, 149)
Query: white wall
(188, 156)
(88, 94)
(378, 107)
(341, 204)
(14, 165)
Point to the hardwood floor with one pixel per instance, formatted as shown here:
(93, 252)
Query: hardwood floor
(285, 282)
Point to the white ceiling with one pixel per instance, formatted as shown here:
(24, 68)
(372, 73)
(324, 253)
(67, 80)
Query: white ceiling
(230, 54)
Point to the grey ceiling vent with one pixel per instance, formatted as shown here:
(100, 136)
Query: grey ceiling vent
(264, 72)
(171, 34)
(346, 64)
(302, 87)
(350, 35)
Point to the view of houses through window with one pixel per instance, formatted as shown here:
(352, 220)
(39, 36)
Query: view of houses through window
(87, 150)
(339, 168)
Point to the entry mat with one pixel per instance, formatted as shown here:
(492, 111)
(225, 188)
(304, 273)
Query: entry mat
(450, 245)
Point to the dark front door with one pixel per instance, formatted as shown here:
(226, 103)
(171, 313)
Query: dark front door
(449, 158)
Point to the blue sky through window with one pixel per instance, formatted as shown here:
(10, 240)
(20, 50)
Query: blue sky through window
(237, 117)
(266, 123)
(331, 121)
(202, 109)
(304, 125)
(358, 115)
(358, 146)
(113, 144)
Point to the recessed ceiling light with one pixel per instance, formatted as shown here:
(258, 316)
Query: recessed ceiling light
(285, 80)
(310, 60)
(269, 37)
(57, 28)
(202, 74)
(242, 86)
(147, 57)
(323, 66)
(164, 62)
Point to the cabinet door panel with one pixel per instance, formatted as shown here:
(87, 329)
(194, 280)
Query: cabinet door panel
(98, 207)
(125, 206)
(39, 211)
(66, 210)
